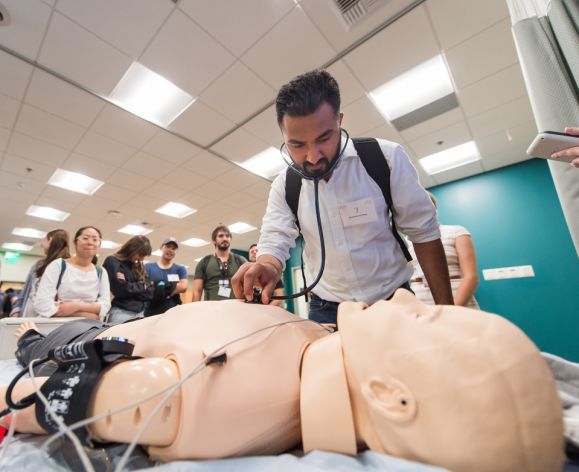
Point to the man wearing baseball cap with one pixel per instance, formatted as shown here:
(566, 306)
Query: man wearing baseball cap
(168, 278)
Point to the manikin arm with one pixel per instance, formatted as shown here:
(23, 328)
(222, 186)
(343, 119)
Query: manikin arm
(432, 259)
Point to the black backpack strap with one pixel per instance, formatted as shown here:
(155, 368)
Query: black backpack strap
(204, 263)
(375, 164)
(293, 186)
(62, 270)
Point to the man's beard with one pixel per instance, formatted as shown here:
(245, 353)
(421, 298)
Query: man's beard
(318, 172)
(224, 245)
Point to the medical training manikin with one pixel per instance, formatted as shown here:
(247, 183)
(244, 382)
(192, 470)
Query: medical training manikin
(442, 385)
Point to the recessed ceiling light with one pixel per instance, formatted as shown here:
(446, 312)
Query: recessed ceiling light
(157, 253)
(176, 210)
(450, 158)
(199, 258)
(29, 233)
(150, 96)
(195, 242)
(47, 213)
(75, 182)
(413, 89)
(240, 227)
(17, 246)
(134, 230)
(105, 244)
(267, 163)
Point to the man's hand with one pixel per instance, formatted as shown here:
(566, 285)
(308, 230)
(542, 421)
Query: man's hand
(265, 274)
(571, 152)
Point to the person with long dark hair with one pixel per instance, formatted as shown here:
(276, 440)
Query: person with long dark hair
(75, 286)
(55, 246)
(130, 286)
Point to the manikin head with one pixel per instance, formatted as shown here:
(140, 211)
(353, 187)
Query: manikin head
(447, 386)
(308, 114)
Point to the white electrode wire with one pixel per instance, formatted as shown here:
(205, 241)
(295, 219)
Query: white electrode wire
(63, 427)
(173, 387)
(8, 439)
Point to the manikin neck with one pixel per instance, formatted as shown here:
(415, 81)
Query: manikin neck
(325, 400)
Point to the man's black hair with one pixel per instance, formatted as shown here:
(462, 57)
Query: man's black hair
(304, 95)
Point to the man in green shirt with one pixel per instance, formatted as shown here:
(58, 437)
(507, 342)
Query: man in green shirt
(213, 273)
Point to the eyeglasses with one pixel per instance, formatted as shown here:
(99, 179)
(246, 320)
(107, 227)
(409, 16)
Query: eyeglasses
(223, 267)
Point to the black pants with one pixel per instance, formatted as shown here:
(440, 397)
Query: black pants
(324, 311)
(33, 345)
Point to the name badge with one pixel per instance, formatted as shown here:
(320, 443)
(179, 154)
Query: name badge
(224, 291)
(358, 212)
(173, 277)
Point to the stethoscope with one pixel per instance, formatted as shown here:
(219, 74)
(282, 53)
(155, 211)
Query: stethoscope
(286, 156)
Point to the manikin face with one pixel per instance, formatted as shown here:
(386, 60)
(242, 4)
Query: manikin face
(222, 240)
(169, 251)
(253, 254)
(449, 386)
(88, 242)
(313, 141)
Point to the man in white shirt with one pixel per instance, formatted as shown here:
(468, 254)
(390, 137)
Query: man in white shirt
(363, 260)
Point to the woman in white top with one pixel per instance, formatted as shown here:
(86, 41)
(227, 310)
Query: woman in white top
(75, 287)
(462, 269)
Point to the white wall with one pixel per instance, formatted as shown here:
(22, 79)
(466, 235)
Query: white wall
(16, 271)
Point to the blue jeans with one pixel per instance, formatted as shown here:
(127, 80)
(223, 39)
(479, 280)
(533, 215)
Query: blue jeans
(324, 311)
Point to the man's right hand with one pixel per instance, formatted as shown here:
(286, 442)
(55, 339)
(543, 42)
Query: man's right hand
(255, 274)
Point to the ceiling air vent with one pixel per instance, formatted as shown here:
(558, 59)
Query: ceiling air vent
(4, 18)
(351, 12)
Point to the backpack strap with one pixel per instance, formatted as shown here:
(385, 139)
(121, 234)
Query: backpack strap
(238, 259)
(204, 263)
(293, 186)
(377, 167)
(62, 270)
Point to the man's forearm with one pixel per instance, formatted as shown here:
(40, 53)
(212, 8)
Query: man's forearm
(432, 260)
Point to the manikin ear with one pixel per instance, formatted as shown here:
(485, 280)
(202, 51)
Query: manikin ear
(390, 399)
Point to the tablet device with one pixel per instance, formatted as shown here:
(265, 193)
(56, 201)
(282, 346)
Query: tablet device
(548, 142)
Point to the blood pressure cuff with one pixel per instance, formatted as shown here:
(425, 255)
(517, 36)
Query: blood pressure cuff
(69, 389)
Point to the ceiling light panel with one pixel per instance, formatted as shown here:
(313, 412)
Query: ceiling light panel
(176, 210)
(240, 227)
(195, 242)
(17, 246)
(157, 253)
(135, 230)
(47, 213)
(150, 95)
(421, 85)
(266, 164)
(450, 158)
(29, 233)
(105, 244)
(75, 182)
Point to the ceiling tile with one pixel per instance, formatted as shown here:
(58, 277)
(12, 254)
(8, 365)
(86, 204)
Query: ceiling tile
(252, 19)
(36, 150)
(88, 166)
(482, 55)
(8, 111)
(433, 124)
(501, 118)
(123, 126)
(56, 96)
(15, 75)
(488, 93)
(265, 127)
(28, 22)
(447, 137)
(130, 180)
(146, 202)
(350, 88)
(4, 135)
(112, 193)
(49, 128)
(393, 61)
(19, 185)
(26, 168)
(201, 124)
(184, 179)
(214, 190)
(82, 57)
(163, 192)
(279, 55)
(60, 199)
(149, 166)
(201, 58)
(503, 159)
(360, 117)
(108, 19)
(238, 179)
(208, 165)
(515, 142)
(325, 17)
(385, 131)
(239, 146)
(104, 149)
(240, 200)
(474, 16)
(170, 148)
(457, 173)
(238, 93)
(259, 189)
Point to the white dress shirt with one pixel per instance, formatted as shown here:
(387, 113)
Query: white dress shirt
(363, 261)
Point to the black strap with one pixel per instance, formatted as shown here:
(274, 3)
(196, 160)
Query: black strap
(62, 269)
(375, 164)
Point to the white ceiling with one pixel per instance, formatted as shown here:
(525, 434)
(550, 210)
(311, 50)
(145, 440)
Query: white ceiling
(233, 55)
